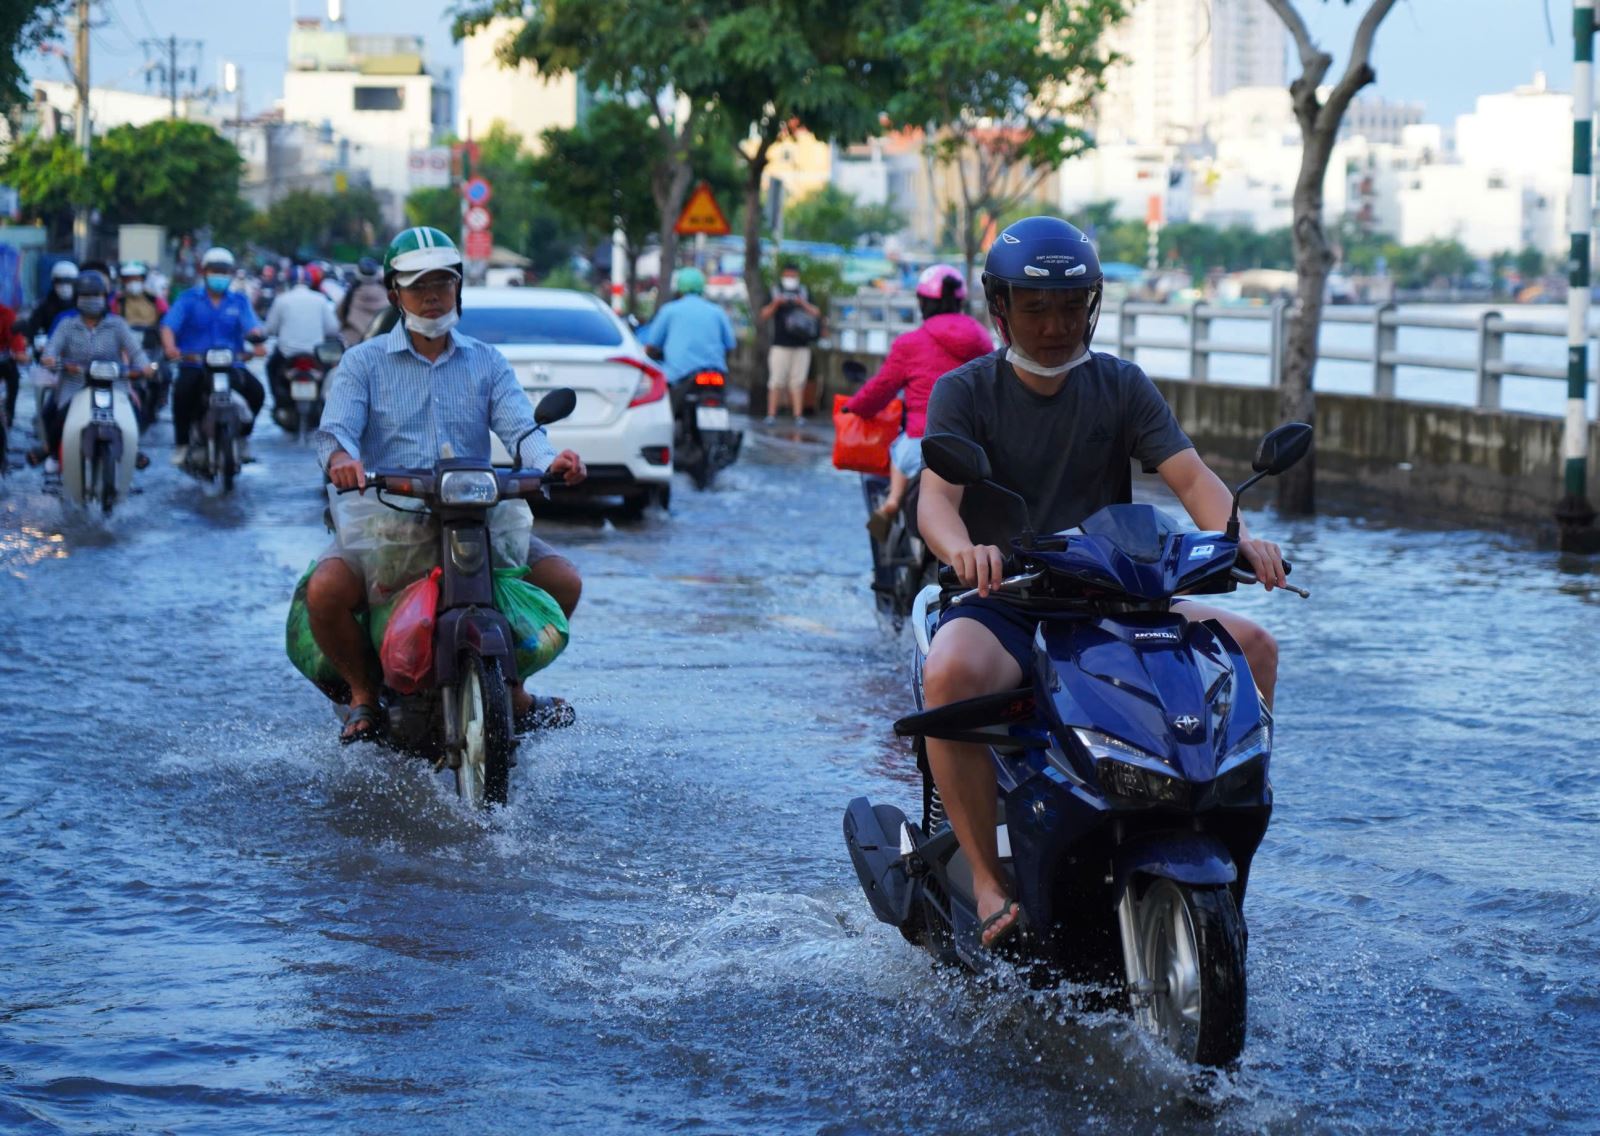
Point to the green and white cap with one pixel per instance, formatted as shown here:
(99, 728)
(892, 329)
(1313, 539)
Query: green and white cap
(418, 251)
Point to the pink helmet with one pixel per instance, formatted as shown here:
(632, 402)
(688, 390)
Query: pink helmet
(931, 282)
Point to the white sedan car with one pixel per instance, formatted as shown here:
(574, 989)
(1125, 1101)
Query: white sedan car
(622, 427)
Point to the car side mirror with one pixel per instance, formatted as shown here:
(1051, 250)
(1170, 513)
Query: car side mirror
(1282, 448)
(958, 460)
(555, 406)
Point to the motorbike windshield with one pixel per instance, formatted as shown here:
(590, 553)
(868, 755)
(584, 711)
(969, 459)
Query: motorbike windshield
(1139, 531)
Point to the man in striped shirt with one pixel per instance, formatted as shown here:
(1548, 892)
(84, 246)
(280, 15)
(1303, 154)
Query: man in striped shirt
(89, 336)
(396, 402)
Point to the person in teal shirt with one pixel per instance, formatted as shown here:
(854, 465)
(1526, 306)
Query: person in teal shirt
(690, 334)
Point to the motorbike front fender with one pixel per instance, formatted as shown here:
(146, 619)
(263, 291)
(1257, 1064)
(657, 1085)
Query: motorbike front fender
(1194, 858)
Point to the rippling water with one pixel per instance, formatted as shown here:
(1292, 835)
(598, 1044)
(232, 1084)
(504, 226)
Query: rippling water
(216, 920)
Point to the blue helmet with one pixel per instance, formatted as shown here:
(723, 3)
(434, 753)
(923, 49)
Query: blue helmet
(1041, 252)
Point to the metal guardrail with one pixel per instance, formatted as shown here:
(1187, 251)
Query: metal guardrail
(869, 322)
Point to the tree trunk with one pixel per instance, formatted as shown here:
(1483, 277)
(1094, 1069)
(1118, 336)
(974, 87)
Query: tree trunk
(669, 185)
(1312, 259)
(754, 285)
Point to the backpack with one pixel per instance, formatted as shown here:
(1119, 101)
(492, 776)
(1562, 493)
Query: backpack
(800, 323)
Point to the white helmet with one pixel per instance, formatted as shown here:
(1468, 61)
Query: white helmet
(217, 257)
(64, 270)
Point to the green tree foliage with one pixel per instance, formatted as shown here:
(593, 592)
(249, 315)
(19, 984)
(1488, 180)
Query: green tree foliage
(1000, 86)
(24, 26)
(834, 216)
(182, 175)
(304, 224)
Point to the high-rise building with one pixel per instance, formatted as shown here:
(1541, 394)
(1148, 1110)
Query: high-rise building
(1180, 55)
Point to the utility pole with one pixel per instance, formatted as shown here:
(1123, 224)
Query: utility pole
(80, 216)
(1575, 517)
(165, 64)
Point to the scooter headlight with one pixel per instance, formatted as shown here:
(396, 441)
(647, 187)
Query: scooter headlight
(1129, 772)
(219, 357)
(104, 370)
(1257, 743)
(469, 487)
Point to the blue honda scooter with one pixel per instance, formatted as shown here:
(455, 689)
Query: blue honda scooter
(1132, 769)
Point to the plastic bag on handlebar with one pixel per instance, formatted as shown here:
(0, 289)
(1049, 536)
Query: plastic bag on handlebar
(538, 625)
(407, 648)
(301, 645)
(862, 444)
(398, 543)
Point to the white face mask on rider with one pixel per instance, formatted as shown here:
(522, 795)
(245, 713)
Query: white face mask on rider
(431, 328)
(64, 291)
(1017, 359)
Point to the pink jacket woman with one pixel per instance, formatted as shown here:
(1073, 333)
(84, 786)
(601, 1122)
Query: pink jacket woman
(915, 362)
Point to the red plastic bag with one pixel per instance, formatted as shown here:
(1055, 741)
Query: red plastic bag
(407, 650)
(862, 444)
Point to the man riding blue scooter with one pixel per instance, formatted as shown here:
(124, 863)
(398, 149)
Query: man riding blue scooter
(692, 337)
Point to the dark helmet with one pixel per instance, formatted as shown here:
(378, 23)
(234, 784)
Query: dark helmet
(92, 283)
(1041, 252)
(368, 268)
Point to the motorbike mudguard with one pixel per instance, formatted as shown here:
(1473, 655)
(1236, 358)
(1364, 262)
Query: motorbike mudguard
(872, 833)
(484, 632)
(1195, 858)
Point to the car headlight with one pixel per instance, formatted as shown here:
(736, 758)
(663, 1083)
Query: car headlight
(469, 487)
(1129, 772)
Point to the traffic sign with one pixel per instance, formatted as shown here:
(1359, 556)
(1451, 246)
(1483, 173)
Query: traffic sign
(477, 191)
(702, 214)
(477, 219)
(480, 244)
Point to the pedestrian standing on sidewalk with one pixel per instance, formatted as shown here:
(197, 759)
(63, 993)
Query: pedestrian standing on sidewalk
(796, 325)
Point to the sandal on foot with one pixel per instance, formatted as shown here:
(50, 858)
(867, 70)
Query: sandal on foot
(878, 524)
(1006, 932)
(545, 714)
(365, 724)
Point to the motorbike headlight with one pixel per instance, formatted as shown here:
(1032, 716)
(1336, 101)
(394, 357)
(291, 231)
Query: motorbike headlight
(219, 357)
(469, 487)
(1129, 772)
(105, 370)
(1253, 745)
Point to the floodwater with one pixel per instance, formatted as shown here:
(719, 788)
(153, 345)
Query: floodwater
(213, 919)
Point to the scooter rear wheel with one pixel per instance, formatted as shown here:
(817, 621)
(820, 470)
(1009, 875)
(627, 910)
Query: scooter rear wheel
(1191, 941)
(485, 712)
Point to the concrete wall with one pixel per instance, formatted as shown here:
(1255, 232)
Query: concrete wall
(1420, 462)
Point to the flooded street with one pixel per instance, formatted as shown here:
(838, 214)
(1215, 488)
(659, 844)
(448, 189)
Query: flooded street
(217, 920)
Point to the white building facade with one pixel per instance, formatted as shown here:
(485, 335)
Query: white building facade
(520, 98)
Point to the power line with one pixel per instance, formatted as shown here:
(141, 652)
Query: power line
(145, 16)
(163, 63)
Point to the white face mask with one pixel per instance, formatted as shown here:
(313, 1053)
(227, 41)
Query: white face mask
(64, 291)
(1017, 359)
(134, 287)
(432, 328)
(791, 283)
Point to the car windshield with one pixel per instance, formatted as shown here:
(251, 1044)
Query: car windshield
(584, 326)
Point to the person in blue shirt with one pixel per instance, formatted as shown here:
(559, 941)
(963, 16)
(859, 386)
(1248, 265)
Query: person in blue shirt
(397, 401)
(690, 334)
(206, 316)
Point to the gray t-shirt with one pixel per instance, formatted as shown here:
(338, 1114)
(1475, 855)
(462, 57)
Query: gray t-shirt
(1067, 455)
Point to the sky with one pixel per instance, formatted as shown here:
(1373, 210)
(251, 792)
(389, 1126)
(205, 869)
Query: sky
(1441, 53)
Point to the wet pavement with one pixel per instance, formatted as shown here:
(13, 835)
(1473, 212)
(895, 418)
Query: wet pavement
(216, 920)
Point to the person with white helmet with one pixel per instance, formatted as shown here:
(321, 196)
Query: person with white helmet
(206, 316)
(60, 300)
(397, 401)
(1061, 425)
(137, 304)
(947, 338)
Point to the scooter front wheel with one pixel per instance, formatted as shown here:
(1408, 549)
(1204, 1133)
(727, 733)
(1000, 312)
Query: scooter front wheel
(105, 477)
(1191, 943)
(486, 738)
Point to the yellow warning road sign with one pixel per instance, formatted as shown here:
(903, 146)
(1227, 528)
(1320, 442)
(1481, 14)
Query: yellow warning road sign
(702, 214)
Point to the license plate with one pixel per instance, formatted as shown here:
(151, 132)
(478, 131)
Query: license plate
(303, 390)
(219, 382)
(711, 417)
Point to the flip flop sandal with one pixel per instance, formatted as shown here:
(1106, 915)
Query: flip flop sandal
(545, 714)
(1011, 929)
(365, 715)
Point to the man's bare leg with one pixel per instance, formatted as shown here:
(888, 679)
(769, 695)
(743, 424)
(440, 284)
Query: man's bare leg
(1259, 647)
(966, 661)
(333, 596)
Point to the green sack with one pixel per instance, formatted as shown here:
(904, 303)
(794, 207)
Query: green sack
(302, 647)
(538, 624)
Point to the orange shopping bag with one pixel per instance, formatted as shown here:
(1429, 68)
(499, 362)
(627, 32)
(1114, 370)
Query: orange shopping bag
(862, 444)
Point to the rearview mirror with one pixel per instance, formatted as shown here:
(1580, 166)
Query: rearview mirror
(555, 406)
(958, 460)
(1282, 448)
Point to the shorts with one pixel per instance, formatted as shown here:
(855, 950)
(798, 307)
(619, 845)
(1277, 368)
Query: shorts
(906, 454)
(787, 367)
(1014, 628)
(537, 550)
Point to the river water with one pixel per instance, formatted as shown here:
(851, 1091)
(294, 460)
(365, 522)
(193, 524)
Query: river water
(215, 920)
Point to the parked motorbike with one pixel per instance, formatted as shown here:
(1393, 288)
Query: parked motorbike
(1132, 770)
(214, 441)
(704, 440)
(99, 439)
(298, 393)
(463, 721)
